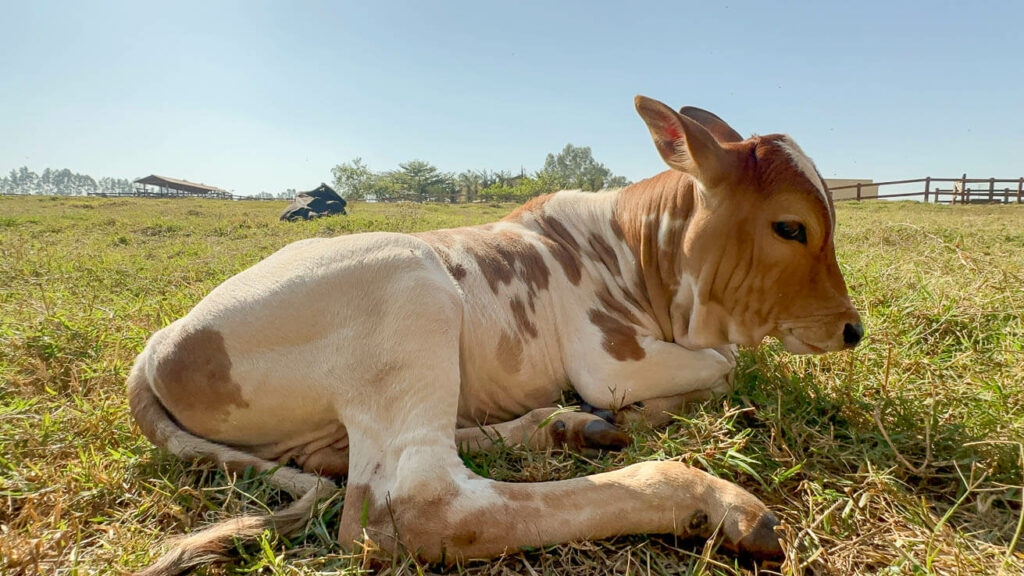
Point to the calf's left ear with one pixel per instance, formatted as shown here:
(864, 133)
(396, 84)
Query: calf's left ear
(684, 144)
(719, 128)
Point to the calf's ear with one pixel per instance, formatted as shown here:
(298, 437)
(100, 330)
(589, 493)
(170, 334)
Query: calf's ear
(684, 144)
(718, 127)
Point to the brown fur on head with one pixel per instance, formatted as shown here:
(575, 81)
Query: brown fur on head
(757, 249)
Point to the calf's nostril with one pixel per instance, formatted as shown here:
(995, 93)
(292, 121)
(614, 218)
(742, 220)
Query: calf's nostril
(852, 333)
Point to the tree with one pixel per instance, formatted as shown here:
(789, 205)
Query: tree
(616, 182)
(390, 187)
(84, 184)
(25, 180)
(575, 167)
(60, 182)
(423, 182)
(353, 180)
(107, 185)
(519, 189)
(470, 183)
(47, 182)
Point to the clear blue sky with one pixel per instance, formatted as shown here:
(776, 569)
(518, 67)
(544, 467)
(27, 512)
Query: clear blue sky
(264, 96)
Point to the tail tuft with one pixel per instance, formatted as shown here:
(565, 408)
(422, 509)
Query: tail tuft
(214, 542)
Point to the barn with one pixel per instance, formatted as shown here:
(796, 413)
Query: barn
(161, 186)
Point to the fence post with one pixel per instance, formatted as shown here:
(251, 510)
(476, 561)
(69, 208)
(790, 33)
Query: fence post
(858, 191)
(991, 190)
(1020, 188)
(927, 186)
(963, 188)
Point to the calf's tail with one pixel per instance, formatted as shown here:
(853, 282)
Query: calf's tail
(213, 542)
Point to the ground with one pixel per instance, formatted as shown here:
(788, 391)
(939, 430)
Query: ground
(901, 457)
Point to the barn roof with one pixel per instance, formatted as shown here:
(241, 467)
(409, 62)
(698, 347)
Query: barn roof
(175, 184)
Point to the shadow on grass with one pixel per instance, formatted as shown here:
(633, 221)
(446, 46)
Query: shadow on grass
(849, 448)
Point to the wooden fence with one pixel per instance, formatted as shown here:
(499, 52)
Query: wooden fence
(135, 194)
(175, 194)
(962, 190)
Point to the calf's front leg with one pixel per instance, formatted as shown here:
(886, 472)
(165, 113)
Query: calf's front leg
(657, 412)
(665, 370)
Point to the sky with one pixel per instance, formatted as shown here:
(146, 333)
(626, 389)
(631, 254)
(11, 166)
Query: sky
(264, 96)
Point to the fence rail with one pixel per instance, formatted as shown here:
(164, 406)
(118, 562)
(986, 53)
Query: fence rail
(220, 196)
(964, 190)
(174, 194)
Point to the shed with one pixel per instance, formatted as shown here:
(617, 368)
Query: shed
(154, 185)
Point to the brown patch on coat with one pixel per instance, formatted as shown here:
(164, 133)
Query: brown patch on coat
(358, 513)
(562, 246)
(603, 252)
(532, 206)
(193, 380)
(522, 318)
(457, 270)
(442, 241)
(619, 338)
(560, 243)
(617, 229)
(503, 256)
(614, 305)
(569, 261)
(510, 352)
(419, 527)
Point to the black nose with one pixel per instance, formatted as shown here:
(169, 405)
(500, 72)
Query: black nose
(852, 333)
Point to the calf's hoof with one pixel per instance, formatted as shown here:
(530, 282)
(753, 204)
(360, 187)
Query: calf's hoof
(606, 415)
(760, 541)
(587, 434)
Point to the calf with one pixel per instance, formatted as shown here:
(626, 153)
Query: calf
(452, 338)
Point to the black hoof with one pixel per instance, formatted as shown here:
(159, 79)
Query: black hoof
(601, 434)
(762, 543)
(606, 415)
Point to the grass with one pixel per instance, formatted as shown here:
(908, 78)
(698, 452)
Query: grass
(901, 457)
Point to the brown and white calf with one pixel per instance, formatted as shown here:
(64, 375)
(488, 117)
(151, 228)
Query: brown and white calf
(453, 337)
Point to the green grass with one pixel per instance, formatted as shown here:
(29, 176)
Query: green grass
(901, 457)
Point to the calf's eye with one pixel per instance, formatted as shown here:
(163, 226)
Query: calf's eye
(790, 231)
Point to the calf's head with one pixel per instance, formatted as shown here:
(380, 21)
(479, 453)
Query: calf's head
(758, 247)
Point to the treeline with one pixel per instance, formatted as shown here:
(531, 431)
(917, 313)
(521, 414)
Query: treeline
(61, 182)
(419, 181)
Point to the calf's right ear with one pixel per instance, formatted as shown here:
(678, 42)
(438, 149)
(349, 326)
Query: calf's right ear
(684, 144)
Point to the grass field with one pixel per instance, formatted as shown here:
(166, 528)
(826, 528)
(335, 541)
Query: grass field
(901, 457)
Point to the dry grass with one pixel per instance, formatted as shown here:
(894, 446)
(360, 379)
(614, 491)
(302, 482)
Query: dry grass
(902, 457)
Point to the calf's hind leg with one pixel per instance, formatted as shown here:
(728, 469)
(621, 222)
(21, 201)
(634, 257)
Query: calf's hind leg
(545, 428)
